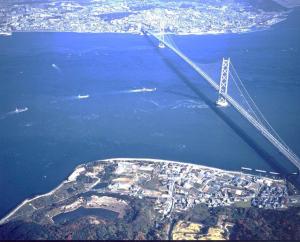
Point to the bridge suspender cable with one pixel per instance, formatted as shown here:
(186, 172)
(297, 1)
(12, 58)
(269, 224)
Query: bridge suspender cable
(280, 145)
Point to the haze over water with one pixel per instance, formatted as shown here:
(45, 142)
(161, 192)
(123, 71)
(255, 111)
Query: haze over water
(136, 101)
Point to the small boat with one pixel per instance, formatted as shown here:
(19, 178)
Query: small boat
(148, 89)
(20, 110)
(274, 173)
(83, 96)
(246, 168)
(144, 89)
(260, 170)
(6, 33)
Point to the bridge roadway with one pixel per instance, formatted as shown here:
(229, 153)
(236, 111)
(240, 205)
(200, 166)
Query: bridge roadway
(286, 151)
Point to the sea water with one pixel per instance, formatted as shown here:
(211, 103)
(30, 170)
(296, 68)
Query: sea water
(96, 96)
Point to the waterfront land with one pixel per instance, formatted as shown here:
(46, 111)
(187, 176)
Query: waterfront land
(131, 16)
(157, 199)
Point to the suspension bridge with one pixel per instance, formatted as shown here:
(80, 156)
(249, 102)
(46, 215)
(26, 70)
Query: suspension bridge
(251, 112)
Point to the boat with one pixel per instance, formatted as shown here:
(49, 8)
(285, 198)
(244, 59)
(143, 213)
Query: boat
(148, 89)
(260, 170)
(246, 168)
(83, 96)
(6, 33)
(20, 110)
(274, 173)
(144, 89)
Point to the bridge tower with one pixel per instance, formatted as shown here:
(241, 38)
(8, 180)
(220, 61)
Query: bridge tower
(162, 36)
(222, 102)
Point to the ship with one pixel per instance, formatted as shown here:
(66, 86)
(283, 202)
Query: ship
(20, 110)
(144, 89)
(83, 96)
(6, 33)
(148, 89)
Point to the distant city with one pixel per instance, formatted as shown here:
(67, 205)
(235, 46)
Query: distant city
(99, 16)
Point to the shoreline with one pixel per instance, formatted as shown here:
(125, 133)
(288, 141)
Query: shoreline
(149, 160)
(207, 33)
(28, 200)
(174, 162)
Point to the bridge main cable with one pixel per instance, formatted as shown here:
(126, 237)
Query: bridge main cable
(286, 151)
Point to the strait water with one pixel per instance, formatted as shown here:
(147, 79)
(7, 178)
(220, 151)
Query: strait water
(177, 120)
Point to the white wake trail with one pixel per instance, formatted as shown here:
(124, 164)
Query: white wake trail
(56, 67)
(138, 90)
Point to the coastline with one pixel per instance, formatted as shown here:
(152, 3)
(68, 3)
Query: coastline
(170, 161)
(207, 33)
(149, 160)
(2, 221)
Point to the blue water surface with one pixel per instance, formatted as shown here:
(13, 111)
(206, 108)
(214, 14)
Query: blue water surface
(175, 119)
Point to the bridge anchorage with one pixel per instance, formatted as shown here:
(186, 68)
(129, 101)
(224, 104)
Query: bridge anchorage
(250, 112)
(222, 102)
